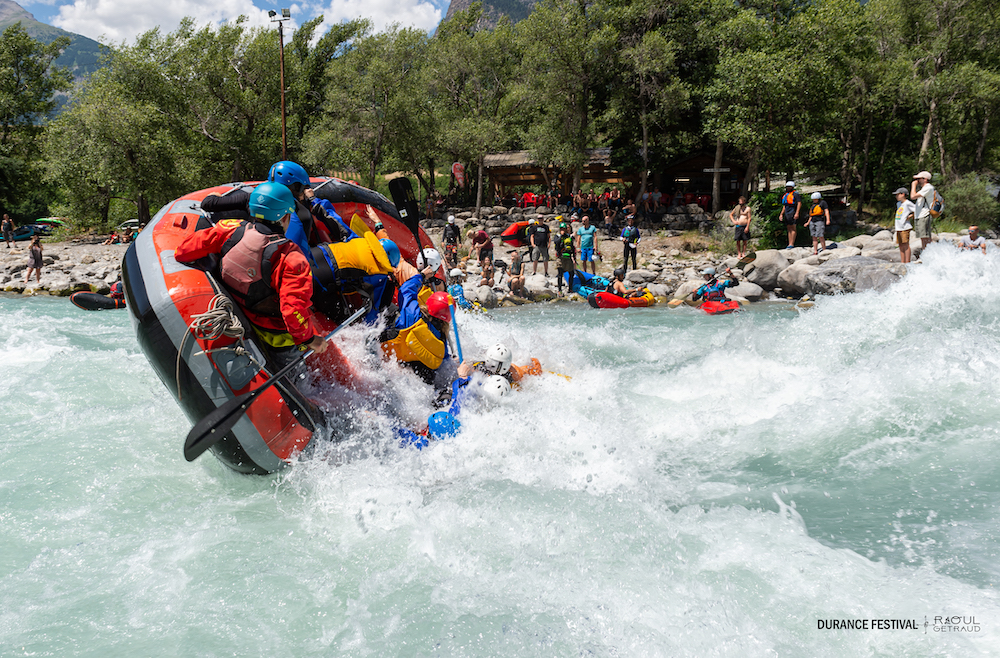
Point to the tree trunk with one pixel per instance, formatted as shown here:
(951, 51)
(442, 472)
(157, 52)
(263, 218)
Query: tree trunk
(928, 132)
(751, 176)
(941, 153)
(982, 142)
(864, 167)
(479, 189)
(717, 178)
(645, 159)
(143, 210)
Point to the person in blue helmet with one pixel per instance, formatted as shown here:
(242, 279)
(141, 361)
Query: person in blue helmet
(267, 275)
(317, 220)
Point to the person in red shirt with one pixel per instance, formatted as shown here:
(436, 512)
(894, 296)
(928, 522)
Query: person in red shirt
(266, 274)
(482, 245)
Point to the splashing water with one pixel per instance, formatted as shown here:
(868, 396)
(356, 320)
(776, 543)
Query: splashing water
(699, 486)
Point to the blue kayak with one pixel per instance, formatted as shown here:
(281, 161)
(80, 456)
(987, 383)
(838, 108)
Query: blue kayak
(584, 283)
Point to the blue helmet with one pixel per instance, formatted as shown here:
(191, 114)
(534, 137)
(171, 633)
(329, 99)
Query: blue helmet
(269, 202)
(288, 173)
(391, 250)
(442, 424)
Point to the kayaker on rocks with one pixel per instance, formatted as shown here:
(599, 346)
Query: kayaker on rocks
(714, 290)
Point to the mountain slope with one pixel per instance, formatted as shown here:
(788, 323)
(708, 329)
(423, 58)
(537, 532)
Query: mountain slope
(82, 57)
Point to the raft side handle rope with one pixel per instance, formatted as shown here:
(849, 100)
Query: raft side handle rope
(219, 320)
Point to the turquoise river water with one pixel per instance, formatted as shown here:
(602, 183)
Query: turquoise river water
(701, 486)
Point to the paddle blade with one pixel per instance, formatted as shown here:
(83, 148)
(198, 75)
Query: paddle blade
(406, 203)
(216, 425)
(749, 258)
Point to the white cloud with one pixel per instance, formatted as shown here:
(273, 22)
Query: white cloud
(383, 13)
(123, 20)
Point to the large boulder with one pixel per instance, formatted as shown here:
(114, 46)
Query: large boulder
(768, 265)
(745, 290)
(793, 279)
(858, 241)
(536, 283)
(685, 289)
(853, 274)
(486, 297)
(658, 289)
(640, 276)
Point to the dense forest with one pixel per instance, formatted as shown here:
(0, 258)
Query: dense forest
(863, 95)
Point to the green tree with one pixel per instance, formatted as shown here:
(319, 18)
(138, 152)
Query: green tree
(28, 83)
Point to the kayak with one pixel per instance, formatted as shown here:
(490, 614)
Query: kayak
(720, 308)
(611, 300)
(515, 234)
(204, 370)
(585, 284)
(91, 301)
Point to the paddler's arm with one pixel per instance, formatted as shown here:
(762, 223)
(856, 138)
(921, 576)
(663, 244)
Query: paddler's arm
(291, 276)
(202, 243)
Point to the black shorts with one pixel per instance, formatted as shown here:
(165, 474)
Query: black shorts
(742, 234)
(789, 217)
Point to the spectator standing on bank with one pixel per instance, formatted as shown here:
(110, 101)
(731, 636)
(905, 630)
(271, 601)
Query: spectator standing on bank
(8, 229)
(740, 216)
(540, 245)
(452, 236)
(567, 257)
(34, 260)
(630, 237)
(922, 195)
(904, 213)
(791, 207)
(586, 244)
(818, 220)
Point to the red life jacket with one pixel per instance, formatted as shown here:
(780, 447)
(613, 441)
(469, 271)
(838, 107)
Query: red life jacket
(246, 268)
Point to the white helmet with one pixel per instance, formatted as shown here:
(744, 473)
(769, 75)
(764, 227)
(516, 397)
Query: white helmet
(429, 258)
(789, 183)
(495, 387)
(451, 219)
(816, 195)
(455, 273)
(497, 359)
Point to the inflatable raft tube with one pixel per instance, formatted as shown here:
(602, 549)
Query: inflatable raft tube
(611, 300)
(91, 301)
(720, 308)
(164, 296)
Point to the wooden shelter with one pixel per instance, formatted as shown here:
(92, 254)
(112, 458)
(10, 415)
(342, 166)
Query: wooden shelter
(693, 176)
(511, 169)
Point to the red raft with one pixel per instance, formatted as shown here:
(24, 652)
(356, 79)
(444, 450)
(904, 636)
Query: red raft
(163, 298)
(720, 308)
(611, 300)
(515, 234)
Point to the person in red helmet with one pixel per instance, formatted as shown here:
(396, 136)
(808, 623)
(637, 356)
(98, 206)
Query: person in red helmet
(419, 337)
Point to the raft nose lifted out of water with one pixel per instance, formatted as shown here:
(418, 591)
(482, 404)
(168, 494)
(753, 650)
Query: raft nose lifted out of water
(205, 372)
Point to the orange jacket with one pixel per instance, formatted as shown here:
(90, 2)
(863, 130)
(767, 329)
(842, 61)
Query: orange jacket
(291, 278)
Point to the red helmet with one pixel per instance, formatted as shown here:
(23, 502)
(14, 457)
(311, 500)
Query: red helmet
(439, 306)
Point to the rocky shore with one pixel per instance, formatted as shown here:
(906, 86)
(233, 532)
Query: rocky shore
(670, 266)
(66, 268)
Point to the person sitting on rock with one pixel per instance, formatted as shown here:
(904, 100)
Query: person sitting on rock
(516, 273)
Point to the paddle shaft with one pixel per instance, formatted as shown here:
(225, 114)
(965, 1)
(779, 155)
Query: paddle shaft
(215, 425)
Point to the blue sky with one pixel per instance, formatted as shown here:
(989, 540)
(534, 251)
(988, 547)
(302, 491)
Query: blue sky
(122, 20)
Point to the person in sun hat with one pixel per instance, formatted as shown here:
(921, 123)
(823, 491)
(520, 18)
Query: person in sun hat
(922, 194)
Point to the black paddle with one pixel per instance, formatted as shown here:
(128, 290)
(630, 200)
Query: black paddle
(406, 203)
(215, 425)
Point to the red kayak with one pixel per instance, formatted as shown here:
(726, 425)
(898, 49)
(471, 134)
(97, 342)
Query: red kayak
(514, 235)
(720, 308)
(611, 300)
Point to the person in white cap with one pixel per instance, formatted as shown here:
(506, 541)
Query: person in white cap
(452, 236)
(922, 194)
(818, 220)
(791, 206)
